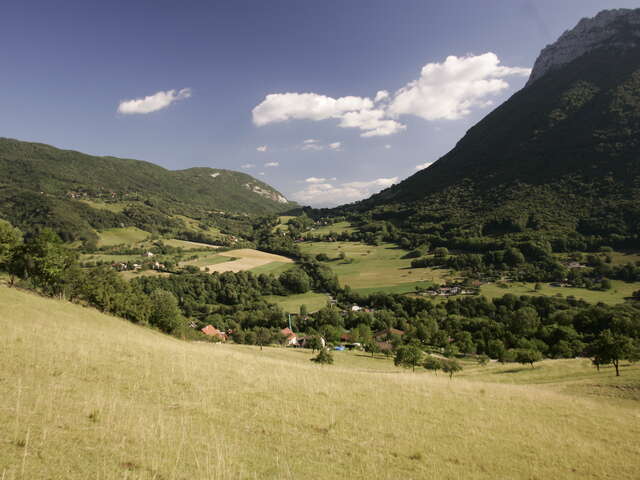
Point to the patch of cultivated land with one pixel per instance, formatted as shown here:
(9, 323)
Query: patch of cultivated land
(85, 395)
(118, 236)
(291, 303)
(617, 294)
(243, 259)
(338, 227)
(375, 268)
(187, 245)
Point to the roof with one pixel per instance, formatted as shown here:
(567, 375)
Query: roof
(389, 331)
(287, 332)
(212, 331)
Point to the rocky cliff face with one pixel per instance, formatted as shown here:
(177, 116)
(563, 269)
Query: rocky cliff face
(618, 28)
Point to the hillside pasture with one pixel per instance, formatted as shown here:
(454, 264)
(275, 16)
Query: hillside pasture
(240, 260)
(375, 268)
(292, 303)
(122, 401)
(121, 236)
(619, 292)
(338, 227)
(187, 245)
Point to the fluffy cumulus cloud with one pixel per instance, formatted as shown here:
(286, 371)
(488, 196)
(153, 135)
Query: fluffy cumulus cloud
(336, 146)
(153, 103)
(262, 148)
(320, 192)
(272, 164)
(247, 166)
(422, 166)
(444, 91)
(451, 89)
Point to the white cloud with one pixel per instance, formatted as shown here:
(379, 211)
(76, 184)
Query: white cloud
(322, 193)
(272, 164)
(335, 146)
(312, 146)
(310, 140)
(153, 103)
(354, 112)
(381, 95)
(279, 107)
(261, 174)
(262, 148)
(372, 122)
(422, 166)
(247, 166)
(387, 146)
(445, 91)
(451, 89)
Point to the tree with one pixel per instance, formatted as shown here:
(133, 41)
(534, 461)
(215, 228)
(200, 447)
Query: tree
(611, 347)
(314, 343)
(526, 355)
(296, 281)
(263, 336)
(451, 366)
(441, 252)
(408, 356)
(324, 357)
(372, 347)
(165, 313)
(9, 238)
(432, 363)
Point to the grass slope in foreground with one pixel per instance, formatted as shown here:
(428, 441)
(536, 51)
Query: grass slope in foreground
(85, 395)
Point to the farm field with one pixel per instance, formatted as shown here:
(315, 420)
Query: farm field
(118, 236)
(110, 206)
(291, 303)
(240, 260)
(619, 292)
(338, 227)
(123, 401)
(375, 268)
(187, 245)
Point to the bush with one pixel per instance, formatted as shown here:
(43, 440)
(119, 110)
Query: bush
(324, 357)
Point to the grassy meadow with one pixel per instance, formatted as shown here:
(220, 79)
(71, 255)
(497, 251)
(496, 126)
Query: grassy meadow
(338, 227)
(375, 268)
(291, 303)
(118, 236)
(619, 292)
(86, 395)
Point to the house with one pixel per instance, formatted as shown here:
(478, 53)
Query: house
(149, 254)
(292, 338)
(356, 308)
(387, 333)
(214, 332)
(305, 340)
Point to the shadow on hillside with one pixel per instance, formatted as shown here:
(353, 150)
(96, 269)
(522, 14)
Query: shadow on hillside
(515, 370)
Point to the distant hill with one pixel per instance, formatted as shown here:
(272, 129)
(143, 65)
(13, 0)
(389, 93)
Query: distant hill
(562, 154)
(40, 184)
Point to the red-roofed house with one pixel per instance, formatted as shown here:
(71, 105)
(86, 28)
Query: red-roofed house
(292, 338)
(214, 332)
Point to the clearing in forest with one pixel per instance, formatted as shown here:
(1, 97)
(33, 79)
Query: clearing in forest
(245, 259)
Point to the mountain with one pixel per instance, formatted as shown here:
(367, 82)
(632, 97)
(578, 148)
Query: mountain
(40, 184)
(561, 155)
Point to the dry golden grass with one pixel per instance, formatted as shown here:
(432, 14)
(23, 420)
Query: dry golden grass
(246, 259)
(85, 395)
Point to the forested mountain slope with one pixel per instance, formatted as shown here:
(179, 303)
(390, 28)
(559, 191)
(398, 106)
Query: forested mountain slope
(40, 184)
(562, 154)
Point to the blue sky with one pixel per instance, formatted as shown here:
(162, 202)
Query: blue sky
(185, 84)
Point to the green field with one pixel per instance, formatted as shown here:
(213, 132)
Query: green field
(206, 258)
(118, 236)
(338, 227)
(292, 303)
(110, 206)
(619, 292)
(273, 268)
(85, 395)
(375, 268)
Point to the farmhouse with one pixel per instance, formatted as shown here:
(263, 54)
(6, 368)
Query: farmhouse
(292, 338)
(214, 332)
